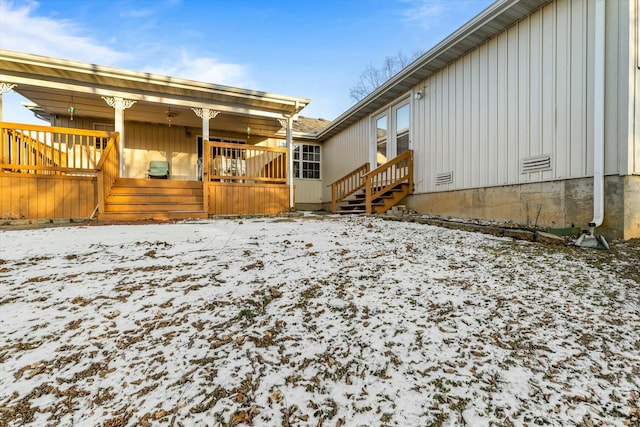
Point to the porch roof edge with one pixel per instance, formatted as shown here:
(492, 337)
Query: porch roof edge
(290, 104)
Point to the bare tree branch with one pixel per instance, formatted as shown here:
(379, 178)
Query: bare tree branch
(372, 77)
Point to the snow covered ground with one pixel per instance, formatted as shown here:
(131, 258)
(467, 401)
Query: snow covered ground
(313, 321)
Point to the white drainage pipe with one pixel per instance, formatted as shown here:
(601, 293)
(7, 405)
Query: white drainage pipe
(598, 115)
(590, 239)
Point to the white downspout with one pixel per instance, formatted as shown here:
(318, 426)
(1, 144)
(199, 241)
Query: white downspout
(292, 203)
(591, 240)
(598, 115)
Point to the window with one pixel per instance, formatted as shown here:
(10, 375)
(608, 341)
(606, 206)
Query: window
(101, 143)
(231, 153)
(381, 140)
(391, 132)
(402, 129)
(306, 161)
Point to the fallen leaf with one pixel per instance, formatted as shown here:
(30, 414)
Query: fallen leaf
(275, 397)
(275, 293)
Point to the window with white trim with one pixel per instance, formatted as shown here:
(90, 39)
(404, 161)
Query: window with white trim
(306, 161)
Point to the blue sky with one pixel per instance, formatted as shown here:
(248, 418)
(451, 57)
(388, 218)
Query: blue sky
(315, 49)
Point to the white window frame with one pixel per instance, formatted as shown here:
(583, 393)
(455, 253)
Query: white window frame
(299, 161)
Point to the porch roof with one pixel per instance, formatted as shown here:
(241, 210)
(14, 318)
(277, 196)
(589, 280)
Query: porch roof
(52, 82)
(489, 23)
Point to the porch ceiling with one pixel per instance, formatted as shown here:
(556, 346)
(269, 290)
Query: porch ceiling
(51, 83)
(57, 102)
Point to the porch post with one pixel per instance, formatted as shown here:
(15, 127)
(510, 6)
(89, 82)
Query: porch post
(119, 104)
(4, 88)
(205, 114)
(287, 122)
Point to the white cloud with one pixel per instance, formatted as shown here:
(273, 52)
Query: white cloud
(424, 12)
(206, 69)
(22, 30)
(438, 15)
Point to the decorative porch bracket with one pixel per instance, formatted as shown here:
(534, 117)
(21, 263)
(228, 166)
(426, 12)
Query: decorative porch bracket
(287, 123)
(4, 88)
(119, 104)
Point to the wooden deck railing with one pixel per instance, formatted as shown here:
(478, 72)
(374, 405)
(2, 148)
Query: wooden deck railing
(389, 176)
(108, 170)
(48, 150)
(347, 185)
(245, 163)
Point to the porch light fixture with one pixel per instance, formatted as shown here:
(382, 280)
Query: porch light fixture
(170, 115)
(248, 131)
(418, 95)
(71, 108)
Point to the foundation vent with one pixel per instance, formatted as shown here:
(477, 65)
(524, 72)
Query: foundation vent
(536, 163)
(444, 178)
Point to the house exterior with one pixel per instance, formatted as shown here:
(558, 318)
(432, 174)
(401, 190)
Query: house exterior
(255, 139)
(528, 113)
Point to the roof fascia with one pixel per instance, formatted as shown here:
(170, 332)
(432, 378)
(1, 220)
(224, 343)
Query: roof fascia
(149, 78)
(145, 97)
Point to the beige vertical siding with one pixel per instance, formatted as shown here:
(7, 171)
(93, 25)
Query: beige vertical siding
(308, 191)
(343, 153)
(632, 37)
(527, 92)
(146, 142)
(524, 93)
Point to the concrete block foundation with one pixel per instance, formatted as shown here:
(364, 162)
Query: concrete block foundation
(556, 204)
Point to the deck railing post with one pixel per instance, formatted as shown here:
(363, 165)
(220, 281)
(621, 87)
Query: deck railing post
(206, 159)
(333, 198)
(101, 195)
(368, 193)
(411, 172)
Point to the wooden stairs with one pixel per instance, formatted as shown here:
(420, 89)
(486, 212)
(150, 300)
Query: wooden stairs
(358, 205)
(153, 199)
(365, 191)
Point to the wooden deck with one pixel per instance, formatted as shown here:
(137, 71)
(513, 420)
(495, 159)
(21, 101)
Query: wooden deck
(49, 172)
(229, 198)
(60, 173)
(245, 180)
(35, 196)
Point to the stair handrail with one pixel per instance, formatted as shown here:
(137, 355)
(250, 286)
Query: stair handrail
(388, 176)
(348, 184)
(40, 149)
(108, 169)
